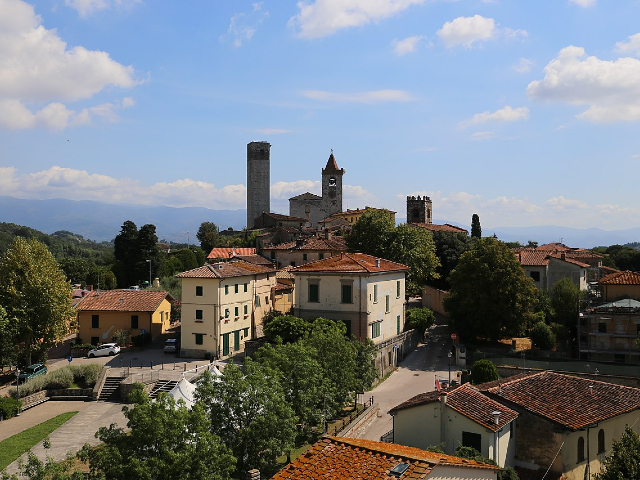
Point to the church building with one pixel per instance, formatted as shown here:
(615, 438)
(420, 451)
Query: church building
(315, 208)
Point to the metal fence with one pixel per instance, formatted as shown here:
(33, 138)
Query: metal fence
(337, 426)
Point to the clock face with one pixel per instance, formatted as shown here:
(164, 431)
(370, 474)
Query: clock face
(332, 181)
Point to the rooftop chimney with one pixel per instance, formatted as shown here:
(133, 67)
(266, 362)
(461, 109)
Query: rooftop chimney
(377, 263)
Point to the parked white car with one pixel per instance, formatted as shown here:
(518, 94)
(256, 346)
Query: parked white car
(104, 350)
(171, 345)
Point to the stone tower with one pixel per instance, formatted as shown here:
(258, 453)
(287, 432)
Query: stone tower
(258, 180)
(331, 187)
(418, 209)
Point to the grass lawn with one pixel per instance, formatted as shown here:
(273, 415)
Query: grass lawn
(13, 447)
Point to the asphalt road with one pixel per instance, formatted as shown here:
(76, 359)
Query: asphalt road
(415, 375)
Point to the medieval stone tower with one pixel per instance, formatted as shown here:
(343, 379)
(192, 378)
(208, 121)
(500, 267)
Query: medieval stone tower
(332, 187)
(418, 209)
(315, 208)
(258, 180)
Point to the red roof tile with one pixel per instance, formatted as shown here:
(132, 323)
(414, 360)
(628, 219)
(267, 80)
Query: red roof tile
(440, 228)
(351, 263)
(237, 268)
(226, 252)
(533, 258)
(469, 402)
(255, 258)
(571, 402)
(348, 458)
(332, 165)
(621, 278)
(123, 301)
(335, 244)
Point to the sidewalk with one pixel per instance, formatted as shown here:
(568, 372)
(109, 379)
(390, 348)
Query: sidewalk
(71, 436)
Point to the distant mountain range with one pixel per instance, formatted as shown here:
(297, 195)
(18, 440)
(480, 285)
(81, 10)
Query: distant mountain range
(102, 221)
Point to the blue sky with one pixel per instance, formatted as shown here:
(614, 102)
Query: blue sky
(526, 113)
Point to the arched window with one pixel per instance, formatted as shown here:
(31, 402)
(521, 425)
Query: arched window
(580, 449)
(601, 441)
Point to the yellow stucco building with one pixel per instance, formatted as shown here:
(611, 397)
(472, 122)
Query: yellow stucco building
(102, 313)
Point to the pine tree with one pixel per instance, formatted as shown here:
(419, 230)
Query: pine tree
(476, 230)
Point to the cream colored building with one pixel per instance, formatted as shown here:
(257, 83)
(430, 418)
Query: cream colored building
(102, 313)
(462, 417)
(365, 292)
(223, 305)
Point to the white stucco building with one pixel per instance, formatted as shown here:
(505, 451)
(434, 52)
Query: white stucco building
(223, 305)
(365, 292)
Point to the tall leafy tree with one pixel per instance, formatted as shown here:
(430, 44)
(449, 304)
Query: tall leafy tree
(414, 247)
(449, 247)
(624, 460)
(8, 337)
(146, 250)
(166, 441)
(125, 254)
(300, 377)
(490, 294)
(476, 230)
(371, 234)
(564, 297)
(248, 411)
(35, 292)
(208, 236)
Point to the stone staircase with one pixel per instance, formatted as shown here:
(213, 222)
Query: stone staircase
(111, 389)
(163, 386)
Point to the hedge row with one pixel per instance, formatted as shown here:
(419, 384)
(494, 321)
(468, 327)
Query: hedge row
(83, 375)
(9, 407)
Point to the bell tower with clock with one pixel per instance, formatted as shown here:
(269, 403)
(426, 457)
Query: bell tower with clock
(331, 187)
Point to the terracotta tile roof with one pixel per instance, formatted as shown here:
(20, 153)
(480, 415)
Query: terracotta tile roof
(237, 268)
(226, 252)
(332, 165)
(123, 301)
(440, 228)
(255, 259)
(467, 401)
(621, 278)
(283, 286)
(569, 259)
(349, 458)
(336, 244)
(533, 258)
(555, 247)
(351, 263)
(285, 272)
(568, 401)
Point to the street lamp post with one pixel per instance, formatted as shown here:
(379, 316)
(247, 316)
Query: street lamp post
(18, 390)
(149, 273)
(449, 355)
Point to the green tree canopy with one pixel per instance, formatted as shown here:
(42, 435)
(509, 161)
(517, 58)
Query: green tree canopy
(483, 371)
(167, 441)
(34, 292)
(624, 460)
(420, 319)
(476, 230)
(208, 236)
(490, 294)
(449, 248)
(375, 234)
(248, 411)
(8, 336)
(564, 297)
(287, 327)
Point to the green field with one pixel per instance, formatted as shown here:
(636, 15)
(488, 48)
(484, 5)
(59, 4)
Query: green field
(13, 447)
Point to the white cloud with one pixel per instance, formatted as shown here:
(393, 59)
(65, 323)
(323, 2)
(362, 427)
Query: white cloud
(88, 7)
(325, 17)
(583, 3)
(36, 67)
(56, 116)
(560, 203)
(506, 114)
(376, 96)
(467, 31)
(286, 190)
(407, 45)
(524, 65)
(470, 32)
(611, 89)
(632, 46)
(243, 26)
(478, 136)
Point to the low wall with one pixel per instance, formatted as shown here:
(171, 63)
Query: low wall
(393, 350)
(433, 298)
(34, 399)
(70, 394)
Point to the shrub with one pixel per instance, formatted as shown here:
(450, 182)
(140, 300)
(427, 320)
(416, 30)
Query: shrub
(86, 375)
(122, 336)
(9, 407)
(62, 378)
(542, 336)
(483, 371)
(420, 319)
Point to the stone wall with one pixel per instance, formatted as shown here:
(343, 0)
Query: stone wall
(433, 298)
(393, 350)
